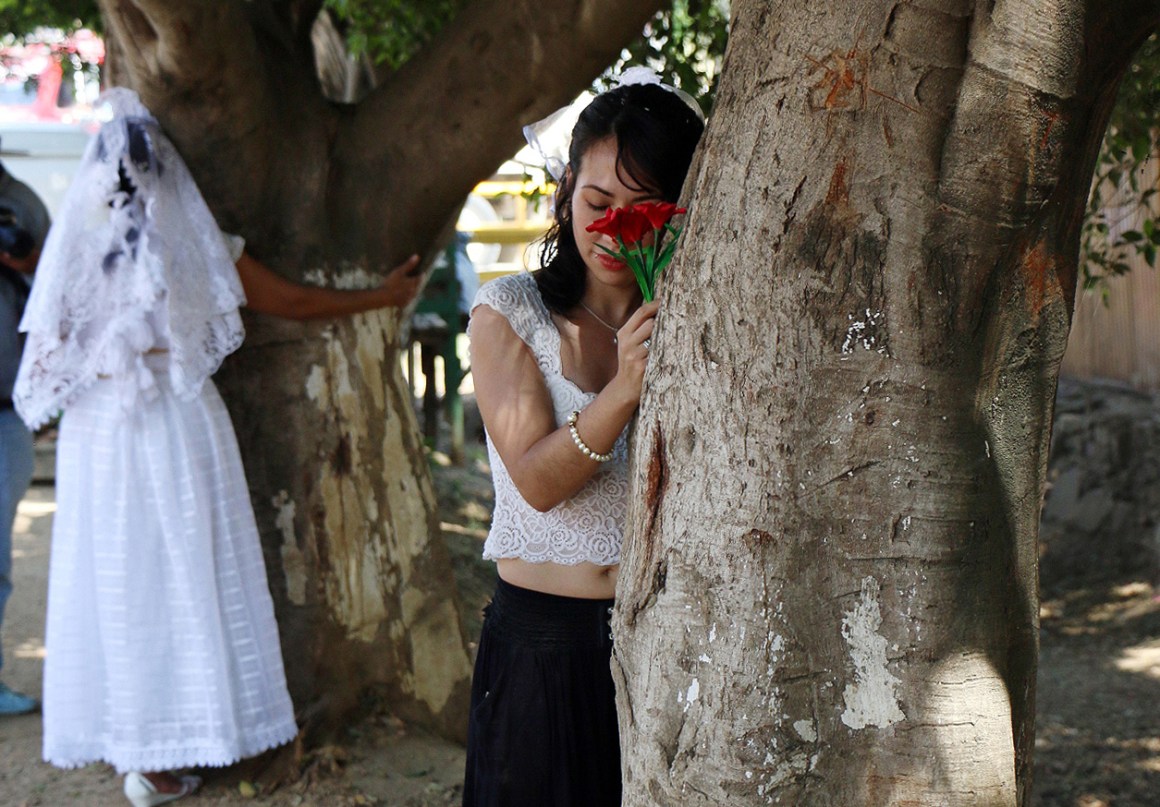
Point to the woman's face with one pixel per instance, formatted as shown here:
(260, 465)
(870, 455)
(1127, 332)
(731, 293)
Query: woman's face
(596, 189)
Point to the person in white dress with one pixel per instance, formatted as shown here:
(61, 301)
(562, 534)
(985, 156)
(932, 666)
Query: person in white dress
(162, 650)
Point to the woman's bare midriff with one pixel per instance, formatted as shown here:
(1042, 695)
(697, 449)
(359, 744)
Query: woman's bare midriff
(585, 580)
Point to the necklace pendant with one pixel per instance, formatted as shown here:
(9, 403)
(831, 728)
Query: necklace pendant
(614, 341)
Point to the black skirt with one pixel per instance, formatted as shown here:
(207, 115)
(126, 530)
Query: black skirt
(542, 730)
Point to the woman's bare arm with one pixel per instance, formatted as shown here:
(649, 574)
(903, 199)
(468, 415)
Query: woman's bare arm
(270, 293)
(544, 464)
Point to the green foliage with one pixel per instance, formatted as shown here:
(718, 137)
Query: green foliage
(391, 31)
(685, 45)
(21, 17)
(1121, 215)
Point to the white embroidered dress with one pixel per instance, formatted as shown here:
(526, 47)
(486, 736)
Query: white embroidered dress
(590, 525)
(162, 648)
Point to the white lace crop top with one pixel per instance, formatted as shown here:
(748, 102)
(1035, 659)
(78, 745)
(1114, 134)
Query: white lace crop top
(590, 525)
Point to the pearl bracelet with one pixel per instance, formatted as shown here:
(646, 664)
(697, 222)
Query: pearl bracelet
(580, 444)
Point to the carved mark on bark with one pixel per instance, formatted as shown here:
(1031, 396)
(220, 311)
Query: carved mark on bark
(898, 524)
(647, 595)
(849, 473)
(1039, 269)
(711, 356)
(656, 483)
(321, 548)
(839, 192)
(1052, 117)
(845, 81)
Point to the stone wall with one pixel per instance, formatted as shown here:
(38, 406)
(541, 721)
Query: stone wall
(1102, 507)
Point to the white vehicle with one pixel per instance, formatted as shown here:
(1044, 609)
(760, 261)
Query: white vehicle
(44, 155)
(47, 90)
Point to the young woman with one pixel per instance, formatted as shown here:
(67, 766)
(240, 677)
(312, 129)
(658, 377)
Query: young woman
(162, 648)
(558, 357)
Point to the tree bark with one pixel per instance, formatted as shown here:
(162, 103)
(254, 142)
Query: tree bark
(338, 193)
(828, 592)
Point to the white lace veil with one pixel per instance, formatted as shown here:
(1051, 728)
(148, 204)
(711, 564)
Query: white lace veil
(134, 260)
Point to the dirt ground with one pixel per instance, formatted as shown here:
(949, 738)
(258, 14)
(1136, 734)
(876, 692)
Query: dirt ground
(1098, 707)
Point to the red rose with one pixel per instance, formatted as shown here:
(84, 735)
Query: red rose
(628, 224)
(607, 224)
(634, 225)
(659, 213)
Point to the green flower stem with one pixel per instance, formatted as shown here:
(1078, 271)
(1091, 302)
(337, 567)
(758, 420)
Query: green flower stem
(647, 263)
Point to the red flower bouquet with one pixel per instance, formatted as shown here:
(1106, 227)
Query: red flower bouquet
(629, 226)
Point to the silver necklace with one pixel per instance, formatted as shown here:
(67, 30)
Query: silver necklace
(601, 320)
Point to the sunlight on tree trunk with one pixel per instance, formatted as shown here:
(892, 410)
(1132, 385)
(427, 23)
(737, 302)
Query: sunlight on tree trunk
(828, 594)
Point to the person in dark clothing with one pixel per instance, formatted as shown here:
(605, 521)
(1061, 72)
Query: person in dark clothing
(24, 223)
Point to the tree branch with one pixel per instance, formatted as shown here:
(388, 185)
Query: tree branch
(378, 180)
(187, 47)
(223, 77)
(457, 108)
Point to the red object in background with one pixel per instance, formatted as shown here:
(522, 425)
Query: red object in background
(45, 81)
(48, 92)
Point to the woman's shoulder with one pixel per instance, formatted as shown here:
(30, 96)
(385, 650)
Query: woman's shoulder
(516, 299)
(517, 284)
(510, 295)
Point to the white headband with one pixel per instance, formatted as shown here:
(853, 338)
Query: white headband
(551, 137)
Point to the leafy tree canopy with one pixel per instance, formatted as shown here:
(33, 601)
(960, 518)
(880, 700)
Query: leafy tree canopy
(391, 31)
(1121, 218)
(685, 43)
(22, 17)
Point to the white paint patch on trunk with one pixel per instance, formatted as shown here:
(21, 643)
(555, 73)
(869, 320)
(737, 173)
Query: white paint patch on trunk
(871, 699)
(347, 277)
(317, 388)
(690, 696)
(293, 562)
(806, 730)
(371, 352)
(795, 766)
(356, 582)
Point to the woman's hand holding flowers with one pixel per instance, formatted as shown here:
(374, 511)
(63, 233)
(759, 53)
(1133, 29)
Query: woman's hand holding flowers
(632, 353)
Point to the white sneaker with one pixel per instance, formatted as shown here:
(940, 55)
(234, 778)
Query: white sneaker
(142, 793)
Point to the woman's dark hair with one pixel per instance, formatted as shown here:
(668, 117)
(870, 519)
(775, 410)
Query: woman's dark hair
(656, 134)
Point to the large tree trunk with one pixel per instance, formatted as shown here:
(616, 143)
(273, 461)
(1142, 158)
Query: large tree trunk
(339, 193)
(828, 594)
